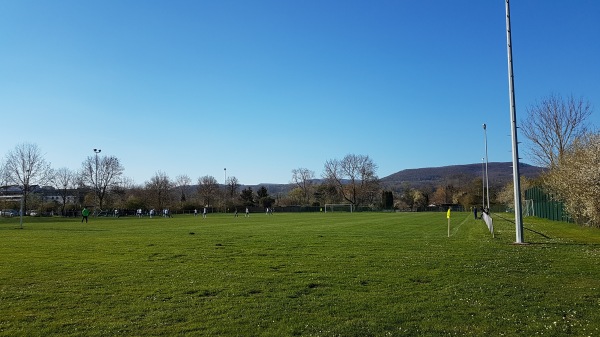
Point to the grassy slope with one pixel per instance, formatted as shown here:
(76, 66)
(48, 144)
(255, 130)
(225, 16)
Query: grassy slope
(297, 274)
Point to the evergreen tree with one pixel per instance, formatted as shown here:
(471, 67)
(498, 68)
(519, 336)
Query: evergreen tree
(247, 197)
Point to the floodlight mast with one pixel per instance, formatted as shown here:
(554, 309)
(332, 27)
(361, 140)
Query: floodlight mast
(487, 177)
(513, 131)
(96, 188)
(482, 183)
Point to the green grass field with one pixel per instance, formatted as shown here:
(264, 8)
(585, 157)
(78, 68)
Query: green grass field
(340, 274)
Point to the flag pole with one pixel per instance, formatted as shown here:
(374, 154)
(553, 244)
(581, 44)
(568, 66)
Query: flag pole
(448, 216)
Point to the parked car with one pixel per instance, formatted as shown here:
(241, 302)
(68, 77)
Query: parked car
(9, 212)
(33, 213)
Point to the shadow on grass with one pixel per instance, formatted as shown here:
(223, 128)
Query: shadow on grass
(553, 242)
(525, 228)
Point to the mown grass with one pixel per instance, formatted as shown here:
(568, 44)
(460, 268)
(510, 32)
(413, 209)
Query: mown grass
(340, 274)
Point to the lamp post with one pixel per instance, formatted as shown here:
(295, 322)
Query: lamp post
(25, 182)
(225, 185)
(487, 178)
(64, 199)
(482, 183)
(21, 212)
(96, 151)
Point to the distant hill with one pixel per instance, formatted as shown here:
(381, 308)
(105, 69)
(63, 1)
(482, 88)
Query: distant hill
(500, 173)
(273, 189)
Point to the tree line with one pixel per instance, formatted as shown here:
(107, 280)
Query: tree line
(561, 140)
(100, 183)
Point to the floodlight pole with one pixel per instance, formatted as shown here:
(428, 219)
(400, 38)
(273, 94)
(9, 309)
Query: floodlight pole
(482, 183)
(487, 177)
(515, 144)
(25, 182)
(21, 213)
(96, 151)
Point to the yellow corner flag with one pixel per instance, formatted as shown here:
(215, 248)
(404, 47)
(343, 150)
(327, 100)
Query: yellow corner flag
(448, 216)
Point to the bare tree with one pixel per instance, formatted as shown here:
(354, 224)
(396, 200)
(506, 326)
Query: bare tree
(101, 174)
(182, 182)
(26, 167)
(3, 175)
(354, 178)
(553, 124)
(127, 183)
(303, 178)
(159, 189)
(233, 185)
(64, 180)
(208, 187)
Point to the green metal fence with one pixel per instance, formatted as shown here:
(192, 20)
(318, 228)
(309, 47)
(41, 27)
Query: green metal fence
(544, 205)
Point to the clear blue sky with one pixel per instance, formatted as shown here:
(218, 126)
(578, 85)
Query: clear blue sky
(263, 87)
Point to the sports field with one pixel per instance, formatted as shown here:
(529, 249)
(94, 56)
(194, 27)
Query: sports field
(334, 274)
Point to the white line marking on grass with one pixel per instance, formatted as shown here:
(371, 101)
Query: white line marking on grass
(454, 230)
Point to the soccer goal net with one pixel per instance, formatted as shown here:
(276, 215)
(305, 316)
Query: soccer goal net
(338, 208)
(529, 210)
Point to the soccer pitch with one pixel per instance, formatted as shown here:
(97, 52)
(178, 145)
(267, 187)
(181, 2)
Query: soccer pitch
(299, 274)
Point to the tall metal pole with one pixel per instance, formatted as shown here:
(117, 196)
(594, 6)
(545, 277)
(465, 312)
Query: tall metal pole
(25, 182)
(21, 212)
(487, 177)
(482, 183)
(513, 131)
(96, 151)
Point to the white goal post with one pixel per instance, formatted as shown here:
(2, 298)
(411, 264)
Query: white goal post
(529, 209)
(338, 208)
